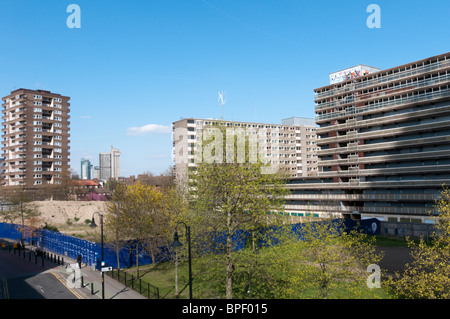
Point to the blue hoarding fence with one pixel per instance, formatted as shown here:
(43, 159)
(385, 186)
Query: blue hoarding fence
(71, 247)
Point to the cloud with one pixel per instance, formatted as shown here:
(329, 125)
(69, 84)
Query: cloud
(149, 129)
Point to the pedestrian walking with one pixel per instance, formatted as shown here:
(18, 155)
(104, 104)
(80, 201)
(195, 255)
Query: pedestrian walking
(79, 261)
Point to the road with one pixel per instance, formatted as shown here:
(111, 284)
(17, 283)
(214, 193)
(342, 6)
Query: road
(23, 279)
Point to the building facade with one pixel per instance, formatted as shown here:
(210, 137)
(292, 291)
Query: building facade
(109, 165)
(290, 145)
(35, 144)
(384, 144)
(86, 169)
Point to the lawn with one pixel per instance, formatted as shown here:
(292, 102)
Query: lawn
(163, 277)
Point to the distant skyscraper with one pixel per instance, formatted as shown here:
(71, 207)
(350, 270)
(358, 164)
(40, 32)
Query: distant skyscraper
(115, 163)
(86, 169)
(105, 166)
(109, 164)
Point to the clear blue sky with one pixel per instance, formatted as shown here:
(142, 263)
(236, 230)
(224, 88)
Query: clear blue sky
(142, 62)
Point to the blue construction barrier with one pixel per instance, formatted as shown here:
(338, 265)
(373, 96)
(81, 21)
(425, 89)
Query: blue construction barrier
(71, 247)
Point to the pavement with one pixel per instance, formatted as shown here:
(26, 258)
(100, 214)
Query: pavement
(84, 283)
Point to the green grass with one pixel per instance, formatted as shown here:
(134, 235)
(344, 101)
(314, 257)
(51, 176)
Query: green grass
(163, 276)
(382, 241)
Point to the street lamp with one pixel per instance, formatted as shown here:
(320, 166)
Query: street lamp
(176, 243)
(93, 225)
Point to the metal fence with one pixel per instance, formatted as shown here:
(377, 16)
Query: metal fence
(129, 280)
(71, 247)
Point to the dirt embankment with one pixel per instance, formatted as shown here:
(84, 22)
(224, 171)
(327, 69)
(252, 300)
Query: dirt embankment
(68, 212)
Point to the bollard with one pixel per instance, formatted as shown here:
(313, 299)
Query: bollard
(58, 260)
(92, 288)
(82, 282)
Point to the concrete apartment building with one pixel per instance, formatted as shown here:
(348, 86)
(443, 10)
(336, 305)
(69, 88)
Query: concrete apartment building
(35, 138)
(384, 143)
(291, 144)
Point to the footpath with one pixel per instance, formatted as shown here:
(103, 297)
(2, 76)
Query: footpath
(84, 283)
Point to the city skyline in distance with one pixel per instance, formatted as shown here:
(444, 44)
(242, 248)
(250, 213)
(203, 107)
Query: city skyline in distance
(133, 70)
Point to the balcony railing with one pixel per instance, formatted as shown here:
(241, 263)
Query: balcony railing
(365, 97)
(384, 79)
(428, 96)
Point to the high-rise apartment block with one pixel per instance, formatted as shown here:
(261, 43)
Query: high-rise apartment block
(35, 143)
(291, 145)
(384, 143)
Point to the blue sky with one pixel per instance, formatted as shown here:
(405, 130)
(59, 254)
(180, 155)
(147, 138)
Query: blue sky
(151, 62)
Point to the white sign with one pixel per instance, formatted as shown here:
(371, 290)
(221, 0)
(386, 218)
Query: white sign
(351, 73)
(106, 269)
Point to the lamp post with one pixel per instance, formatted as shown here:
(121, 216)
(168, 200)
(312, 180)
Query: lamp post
(93, 225)
(176, 243)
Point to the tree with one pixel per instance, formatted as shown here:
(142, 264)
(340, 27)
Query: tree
(428, 275)
(136, 211)
(22, 212)
(233, 200)
(115, 229)
(335, 256)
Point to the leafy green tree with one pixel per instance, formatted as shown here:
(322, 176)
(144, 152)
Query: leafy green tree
(336, 257)
(135, 213)
(428, 275)
(234, 199)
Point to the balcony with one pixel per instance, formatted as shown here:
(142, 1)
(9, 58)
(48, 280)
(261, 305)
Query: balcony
(402, 75)
(385, 132)
(414, 156)
(395, 90)
(385, 105)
